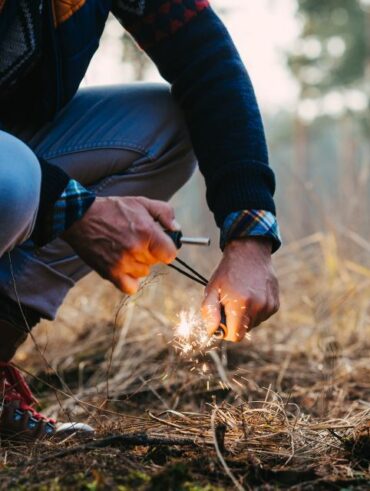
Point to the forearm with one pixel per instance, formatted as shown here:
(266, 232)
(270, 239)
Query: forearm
(195, 53)
(220, 107)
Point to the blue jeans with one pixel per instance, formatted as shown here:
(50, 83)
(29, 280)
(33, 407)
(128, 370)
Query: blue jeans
(126, 140)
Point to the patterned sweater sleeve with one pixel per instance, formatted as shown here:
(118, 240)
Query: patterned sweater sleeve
(63, 201)
(196, 55)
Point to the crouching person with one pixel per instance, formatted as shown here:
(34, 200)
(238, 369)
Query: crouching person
(85, 174)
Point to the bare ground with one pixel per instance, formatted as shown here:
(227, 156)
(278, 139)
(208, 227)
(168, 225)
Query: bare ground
(288, 409)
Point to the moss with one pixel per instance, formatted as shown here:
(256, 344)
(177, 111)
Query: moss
(195, 487)
(177, 477)
(137, 478)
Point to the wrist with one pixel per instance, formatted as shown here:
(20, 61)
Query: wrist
(74, 231)
(263, 245)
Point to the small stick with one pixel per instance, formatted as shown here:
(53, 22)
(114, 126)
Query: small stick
(236, 483)
(220, 431)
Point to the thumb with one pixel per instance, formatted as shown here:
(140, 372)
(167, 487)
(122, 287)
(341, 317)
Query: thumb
(211, 311)
(161, 212)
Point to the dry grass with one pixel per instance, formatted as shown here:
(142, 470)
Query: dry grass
(288, 409)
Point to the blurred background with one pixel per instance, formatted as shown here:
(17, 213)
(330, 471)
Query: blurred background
(309, 61)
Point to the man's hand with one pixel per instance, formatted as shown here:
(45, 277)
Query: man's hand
(121, 238)
(246, 285)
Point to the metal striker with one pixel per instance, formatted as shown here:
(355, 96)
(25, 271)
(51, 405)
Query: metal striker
(179, 239)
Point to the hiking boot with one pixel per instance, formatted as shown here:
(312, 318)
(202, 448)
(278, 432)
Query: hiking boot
(19, 420)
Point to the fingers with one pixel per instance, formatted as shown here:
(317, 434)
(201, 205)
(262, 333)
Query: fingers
(129, 265)
(237, 321)
(270, 307)
(143, 255)
(161, 246)
(126, 274)
(211, 311)
(135, 269)
(161, 212)
(242, 314)
(126, 283)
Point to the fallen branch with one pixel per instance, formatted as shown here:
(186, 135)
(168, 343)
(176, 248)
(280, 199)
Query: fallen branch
(138, 439)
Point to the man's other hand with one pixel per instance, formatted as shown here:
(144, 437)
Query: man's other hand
(121, 238)
(246, 285)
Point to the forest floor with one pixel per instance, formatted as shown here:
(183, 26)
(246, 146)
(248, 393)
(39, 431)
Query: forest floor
(287, 409)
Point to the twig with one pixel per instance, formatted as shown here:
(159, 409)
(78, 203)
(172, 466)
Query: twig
(163, 421)
(116, 337)
(220, 432)
(236, 483)
(220, 369)
(135, 439)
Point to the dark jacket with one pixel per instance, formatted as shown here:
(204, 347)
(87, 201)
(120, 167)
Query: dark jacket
(195, 54)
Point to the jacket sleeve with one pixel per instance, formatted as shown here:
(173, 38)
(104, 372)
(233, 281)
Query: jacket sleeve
(63, 201)
(196, 55)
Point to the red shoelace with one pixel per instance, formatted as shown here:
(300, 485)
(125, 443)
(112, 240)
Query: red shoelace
(15, 388)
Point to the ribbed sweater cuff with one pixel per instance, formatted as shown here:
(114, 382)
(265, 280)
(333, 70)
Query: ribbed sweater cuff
(241, 186)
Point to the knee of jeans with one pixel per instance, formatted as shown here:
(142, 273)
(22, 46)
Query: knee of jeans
(179, 147)
(186, 165)
(20, 182)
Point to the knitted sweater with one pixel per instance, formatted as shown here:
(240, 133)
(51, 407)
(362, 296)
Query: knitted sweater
(195, 54)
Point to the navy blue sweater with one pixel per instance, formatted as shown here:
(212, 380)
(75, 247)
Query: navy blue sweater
(194, 52)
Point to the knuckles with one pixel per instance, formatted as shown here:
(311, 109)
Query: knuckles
(255, 302)
(143, 230)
